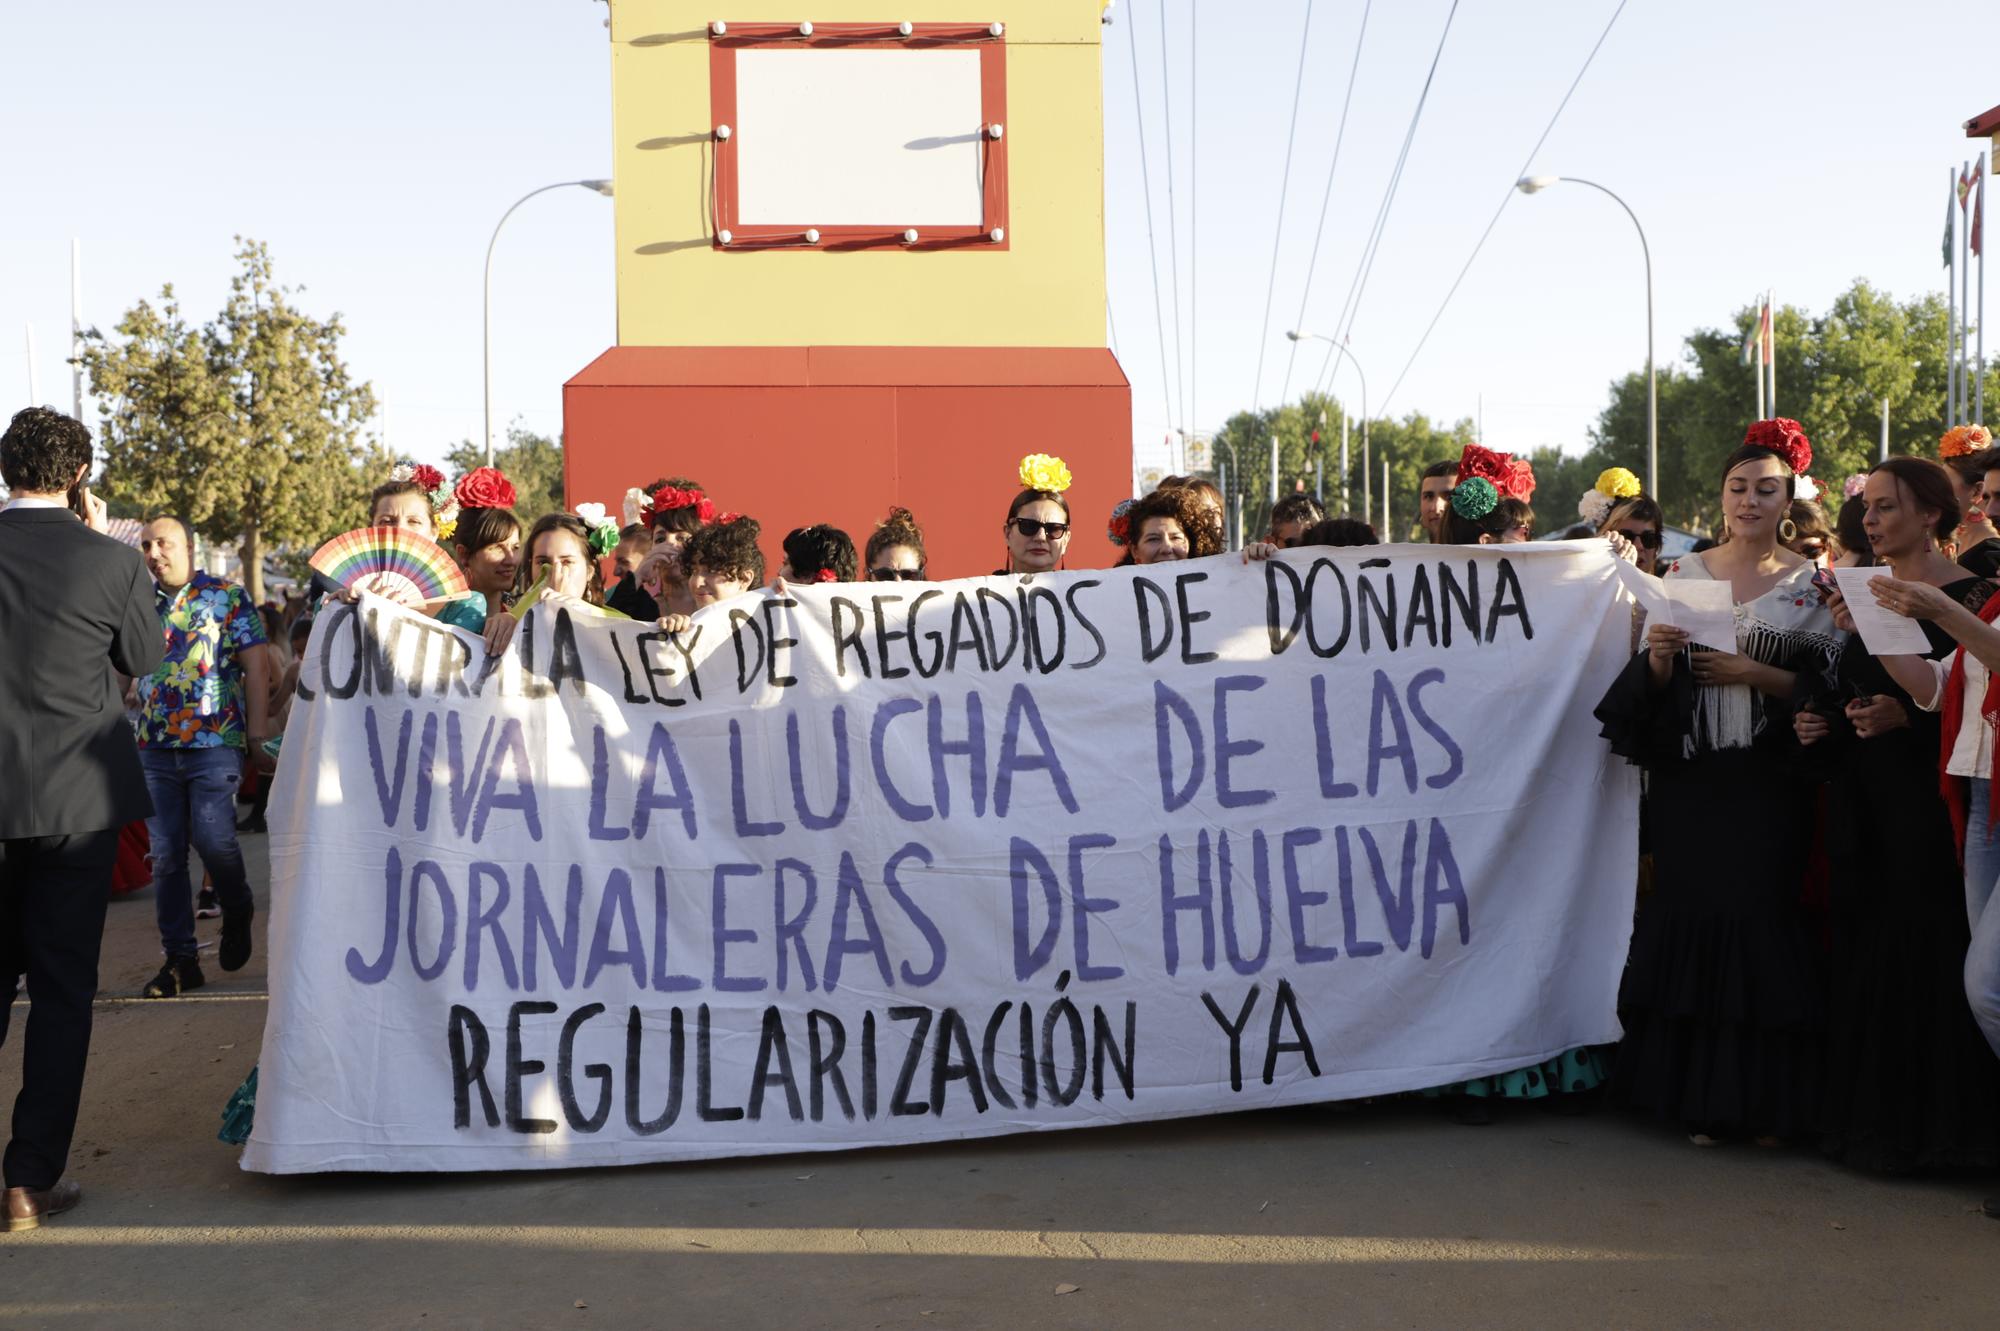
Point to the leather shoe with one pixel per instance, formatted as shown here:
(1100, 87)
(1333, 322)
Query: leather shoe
(25, 1207)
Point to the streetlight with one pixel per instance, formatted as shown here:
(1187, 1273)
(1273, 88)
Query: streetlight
(1535, 185)
(1367, 481)
(486, 311)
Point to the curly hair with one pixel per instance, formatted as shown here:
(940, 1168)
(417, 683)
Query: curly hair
(726, 547)
(1182, 503)
(810, 551)
(1299, 507)
(899, 528)
(42, 450)
(593, 591)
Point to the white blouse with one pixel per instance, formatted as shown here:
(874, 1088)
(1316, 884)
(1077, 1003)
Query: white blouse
(1788, 627)
(1972, 747)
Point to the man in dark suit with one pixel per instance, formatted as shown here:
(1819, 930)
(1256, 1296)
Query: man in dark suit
(76, 611)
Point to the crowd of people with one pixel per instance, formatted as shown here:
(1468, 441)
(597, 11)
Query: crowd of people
(1824, 973)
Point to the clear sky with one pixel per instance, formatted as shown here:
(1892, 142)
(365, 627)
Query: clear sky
(1785, 144)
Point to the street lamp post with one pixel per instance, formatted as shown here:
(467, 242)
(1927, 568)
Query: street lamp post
(1535, 185)
(1367, 479)
(486, 305)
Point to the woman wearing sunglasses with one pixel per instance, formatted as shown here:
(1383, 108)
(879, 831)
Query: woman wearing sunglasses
(1037, 528)
(1640, 521)
(896, 549)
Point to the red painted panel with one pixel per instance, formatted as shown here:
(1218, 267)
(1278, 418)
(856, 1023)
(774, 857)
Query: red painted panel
(792, 454)
(965, 366)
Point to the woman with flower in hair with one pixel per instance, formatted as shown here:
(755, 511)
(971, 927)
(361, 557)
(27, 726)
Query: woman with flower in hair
(1720, 1000)
(564, 564)
(675, 509)
(1618, 507)
(1037, 526)
(414, 497)
(483, 534)
(818, 553)
(722, 560)
(1910, 1082)
(1968, 454)
(895, 550)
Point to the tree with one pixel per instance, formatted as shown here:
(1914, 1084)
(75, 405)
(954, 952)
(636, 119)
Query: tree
(248, 428)
(1834, 372)
(533, 462)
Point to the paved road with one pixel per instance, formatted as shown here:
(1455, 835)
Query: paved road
(1377, 1216)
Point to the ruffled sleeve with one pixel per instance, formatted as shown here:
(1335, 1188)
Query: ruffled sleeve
(1643, 724)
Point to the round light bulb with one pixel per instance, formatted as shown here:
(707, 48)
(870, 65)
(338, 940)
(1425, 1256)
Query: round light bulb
(994, 131)
(906, 27)
(910, 236)
(997, 29)
(997, 234)
(812, 235)
(805, 29)
(724, 237)
(722, 131)
(719, 28)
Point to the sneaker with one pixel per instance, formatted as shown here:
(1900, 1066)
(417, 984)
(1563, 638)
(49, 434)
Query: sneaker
(206, 907)
(179, 975)
(236, 946)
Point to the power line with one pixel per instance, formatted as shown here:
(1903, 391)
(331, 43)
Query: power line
(1173, 217)
(1194, 218)
(1284, 184)
(1152, 249)
(1326, 199)
(1505, 199)
(1351, 309)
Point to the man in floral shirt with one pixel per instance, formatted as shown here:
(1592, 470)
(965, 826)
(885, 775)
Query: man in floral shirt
(198, 713)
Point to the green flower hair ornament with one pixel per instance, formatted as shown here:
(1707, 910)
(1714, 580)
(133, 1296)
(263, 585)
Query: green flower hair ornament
(600, 528)
(1473, 499)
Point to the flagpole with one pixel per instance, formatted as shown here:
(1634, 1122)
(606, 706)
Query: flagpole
(1771, 347)
(76, 325)
(1978, 225)
(1951, 307)
(1757, 361)
(1386, 534)
(1964, 304)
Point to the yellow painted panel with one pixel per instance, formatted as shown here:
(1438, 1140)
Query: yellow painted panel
(674, 289)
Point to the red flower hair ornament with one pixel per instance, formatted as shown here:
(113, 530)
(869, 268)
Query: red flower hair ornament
(484, 487)
(1512, 477)
(668, 498)
(1786, 438)
(826, 575)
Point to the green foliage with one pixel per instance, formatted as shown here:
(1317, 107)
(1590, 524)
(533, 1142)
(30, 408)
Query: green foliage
(534, 462)
(248, 427)
(1834, 370)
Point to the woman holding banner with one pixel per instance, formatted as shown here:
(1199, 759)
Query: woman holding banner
(1720, 1000)
(1912, 1084)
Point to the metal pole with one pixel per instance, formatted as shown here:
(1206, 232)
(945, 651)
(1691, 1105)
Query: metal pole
(76, 326)
(1757, 358)
(1387, 535)
(1652, 386)
(486, 297)
(1771, 366)
(1343, 461)
(1319, 482)
(1979, 364)
(1965, 304)
(1951, 305)
(1274, 468)
(1885, 431)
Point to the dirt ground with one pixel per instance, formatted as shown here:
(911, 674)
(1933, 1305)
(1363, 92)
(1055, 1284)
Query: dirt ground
(1376, 1216)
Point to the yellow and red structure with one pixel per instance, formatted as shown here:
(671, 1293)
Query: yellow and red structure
(819, 369)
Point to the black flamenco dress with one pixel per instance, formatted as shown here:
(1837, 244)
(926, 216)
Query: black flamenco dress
(1721, 1000)
(1910, 1082)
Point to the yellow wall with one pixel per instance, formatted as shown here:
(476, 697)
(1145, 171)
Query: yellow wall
(1046, 290)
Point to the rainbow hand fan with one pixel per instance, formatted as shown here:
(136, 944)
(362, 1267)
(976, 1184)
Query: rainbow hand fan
(400, 556)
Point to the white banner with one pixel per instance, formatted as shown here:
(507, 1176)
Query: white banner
(868, 863)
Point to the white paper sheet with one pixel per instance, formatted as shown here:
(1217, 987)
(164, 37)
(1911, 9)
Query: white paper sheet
(1883, 632)
(1704, 609)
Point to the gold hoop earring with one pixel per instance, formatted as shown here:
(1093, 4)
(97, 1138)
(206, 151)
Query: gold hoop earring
(1788, 531)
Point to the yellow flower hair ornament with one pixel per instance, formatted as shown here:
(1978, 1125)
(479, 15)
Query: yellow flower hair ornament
(1617, 483)
(1039, 471)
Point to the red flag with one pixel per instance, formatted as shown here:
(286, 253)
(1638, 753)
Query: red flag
(1315, 436)
(1979, 209)
(1964, 186)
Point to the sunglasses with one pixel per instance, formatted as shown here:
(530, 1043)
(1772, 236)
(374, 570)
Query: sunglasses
(895, 575)
(1031, 528)
(1649, 539)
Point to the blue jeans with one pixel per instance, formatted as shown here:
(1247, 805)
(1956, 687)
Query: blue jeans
(194, 799)
(1982, 905)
